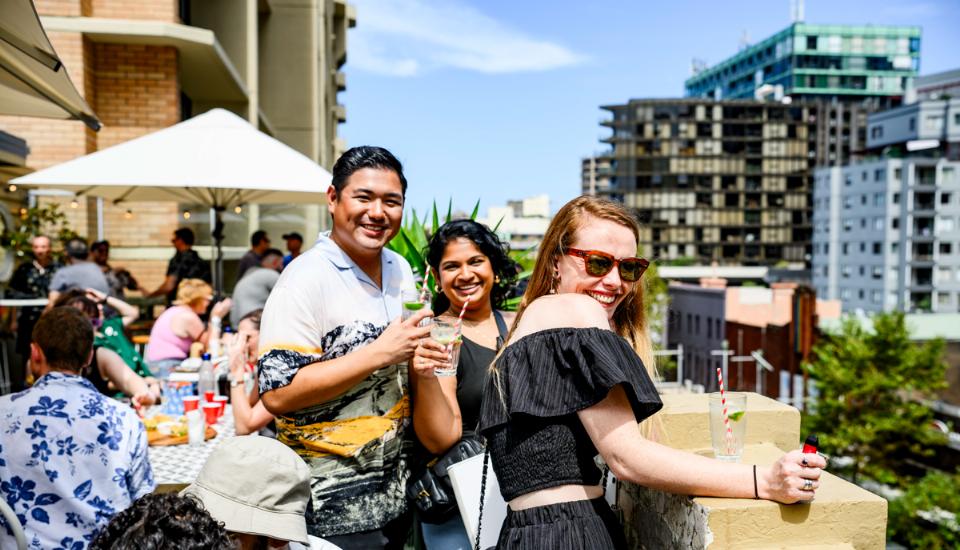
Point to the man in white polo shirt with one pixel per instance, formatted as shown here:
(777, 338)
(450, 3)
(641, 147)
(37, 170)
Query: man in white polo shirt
(333, 358)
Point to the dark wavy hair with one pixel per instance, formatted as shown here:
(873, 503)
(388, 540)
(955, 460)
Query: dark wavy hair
(491, 247)
(163, 522)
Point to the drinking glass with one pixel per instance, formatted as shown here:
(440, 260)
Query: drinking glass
(444, 332)
(195, 428)
(728, 443)
(413, 301)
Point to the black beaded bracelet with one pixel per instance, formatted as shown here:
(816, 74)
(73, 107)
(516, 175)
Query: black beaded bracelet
(756, 493)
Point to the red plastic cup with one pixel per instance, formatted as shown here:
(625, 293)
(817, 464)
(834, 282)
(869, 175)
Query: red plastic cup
(190, 403)
(210, 413)
(222, 401)
(208, 396)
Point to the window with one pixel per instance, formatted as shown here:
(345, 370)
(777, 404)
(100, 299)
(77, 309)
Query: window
(943, 299)
(945, 198)
(896, 196)
(877, 272)
(847, 203)
(878, 224)
(844, 248)
(878, 174)
(945, 224)
(876, 132)
(709, 327)
(863, 198)
(913, 124)
(863, 223)
(894, 246)
(860, 294)
(845, 272)
(946, 248)
(876, 296)
(943, 274)
(847, 225)
(877, 247)
(844, 293)
(894, 223)
(696, 324)
(862, 270)
(811, 42)
(863, 176)
(863, 247)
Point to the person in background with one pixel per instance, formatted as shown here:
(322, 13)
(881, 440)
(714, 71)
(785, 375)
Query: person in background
(80, 272)
(294, 244)
(468, 262)
(31, 279)
(107, 371)
(118, 280)
(252, 291)
(180, 325)
(260, 490)
(185, 264)
(573, 382)
(259, 243)
(70, 457)
(334, 355)
(249, 414)
(163, 521)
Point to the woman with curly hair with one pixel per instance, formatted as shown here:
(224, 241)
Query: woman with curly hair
(470, 265)
(163, 521)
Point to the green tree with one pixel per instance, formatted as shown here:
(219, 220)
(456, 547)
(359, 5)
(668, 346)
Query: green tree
(37, 220)
(926, 515)
(870, 384)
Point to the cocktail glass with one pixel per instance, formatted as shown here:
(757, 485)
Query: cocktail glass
(727, 437)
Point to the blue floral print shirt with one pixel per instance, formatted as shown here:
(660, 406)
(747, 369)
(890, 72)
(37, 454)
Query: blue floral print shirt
(70, 458)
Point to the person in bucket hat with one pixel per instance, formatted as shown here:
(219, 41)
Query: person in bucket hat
(259, 488)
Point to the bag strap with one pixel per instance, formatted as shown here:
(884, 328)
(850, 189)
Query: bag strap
(483, 491)
(501, 328)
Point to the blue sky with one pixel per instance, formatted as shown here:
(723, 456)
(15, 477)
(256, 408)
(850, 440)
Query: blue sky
(499, 99)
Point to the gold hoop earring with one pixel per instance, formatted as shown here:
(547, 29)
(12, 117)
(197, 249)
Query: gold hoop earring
(496, 279)
(436, 288)
(556, 283)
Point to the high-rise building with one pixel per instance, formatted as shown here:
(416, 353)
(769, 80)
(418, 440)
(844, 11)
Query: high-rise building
(849, 71)
(144, 65)
(713, 181)
(887, 229)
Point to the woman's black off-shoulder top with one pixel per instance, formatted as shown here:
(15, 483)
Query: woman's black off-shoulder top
(535, 438)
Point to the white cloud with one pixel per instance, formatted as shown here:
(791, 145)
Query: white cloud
(407, 37)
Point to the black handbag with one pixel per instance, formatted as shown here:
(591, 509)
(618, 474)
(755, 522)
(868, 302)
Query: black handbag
(431, 491)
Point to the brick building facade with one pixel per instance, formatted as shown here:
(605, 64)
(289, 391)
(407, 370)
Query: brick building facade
(144, 65)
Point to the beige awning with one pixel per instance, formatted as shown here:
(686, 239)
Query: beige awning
(33, 81)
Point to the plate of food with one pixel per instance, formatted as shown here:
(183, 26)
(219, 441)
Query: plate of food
(164, 430)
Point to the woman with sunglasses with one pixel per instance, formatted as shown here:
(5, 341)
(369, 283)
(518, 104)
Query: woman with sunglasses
(575, 379)
(108, 371)
(470, 265)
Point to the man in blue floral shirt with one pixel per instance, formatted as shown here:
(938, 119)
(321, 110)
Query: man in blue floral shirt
(70, 458)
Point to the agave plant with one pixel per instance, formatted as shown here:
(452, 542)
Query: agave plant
(413, 238)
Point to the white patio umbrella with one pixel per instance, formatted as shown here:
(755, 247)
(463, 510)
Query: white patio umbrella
(33, 81)
(216, 159)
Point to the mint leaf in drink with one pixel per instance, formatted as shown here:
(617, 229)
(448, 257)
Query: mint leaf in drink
(735, 416)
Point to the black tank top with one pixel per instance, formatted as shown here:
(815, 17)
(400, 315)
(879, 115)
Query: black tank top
(92, 373)
(472, 376)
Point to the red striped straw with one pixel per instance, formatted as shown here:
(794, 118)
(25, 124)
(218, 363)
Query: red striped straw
(726, 419)
(458, 326)
(425, 287)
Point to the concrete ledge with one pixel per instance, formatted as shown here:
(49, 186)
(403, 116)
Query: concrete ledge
(842, 516)
(686, 422)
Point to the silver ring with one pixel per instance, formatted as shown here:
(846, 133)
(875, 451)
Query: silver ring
(807, 485)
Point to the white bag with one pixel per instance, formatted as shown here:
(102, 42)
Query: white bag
(466, 477)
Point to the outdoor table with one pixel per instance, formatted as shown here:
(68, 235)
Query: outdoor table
(176, 466)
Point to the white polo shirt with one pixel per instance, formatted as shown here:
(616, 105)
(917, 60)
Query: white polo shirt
(358, 444)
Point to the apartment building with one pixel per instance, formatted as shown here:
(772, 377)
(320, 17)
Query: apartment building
(848, 71)
(724, 182)
(143, 65)
(887, 229)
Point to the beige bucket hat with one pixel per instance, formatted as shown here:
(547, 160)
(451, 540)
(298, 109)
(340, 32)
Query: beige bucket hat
(256, 485)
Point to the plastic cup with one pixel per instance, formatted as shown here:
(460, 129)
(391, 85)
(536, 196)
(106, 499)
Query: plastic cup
(208, 396)
(728, 445)
(191, 403)
(195, 430)
(222, 401)
(211, 413)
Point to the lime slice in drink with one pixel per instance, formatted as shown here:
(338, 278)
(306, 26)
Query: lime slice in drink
(444, 340)
(413, 306)
(735, 416)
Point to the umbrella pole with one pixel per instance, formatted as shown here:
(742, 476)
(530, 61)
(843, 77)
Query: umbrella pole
(216, 231)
